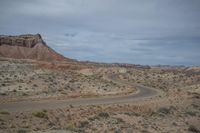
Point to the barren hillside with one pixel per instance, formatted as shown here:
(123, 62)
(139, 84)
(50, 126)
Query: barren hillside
(28, 46)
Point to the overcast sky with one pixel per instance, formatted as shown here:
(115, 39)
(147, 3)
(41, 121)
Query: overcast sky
(125, 31)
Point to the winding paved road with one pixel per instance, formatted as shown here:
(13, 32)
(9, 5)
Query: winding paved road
(143, 92)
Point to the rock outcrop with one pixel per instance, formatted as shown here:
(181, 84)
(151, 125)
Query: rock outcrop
(21, 40)
(28, 47)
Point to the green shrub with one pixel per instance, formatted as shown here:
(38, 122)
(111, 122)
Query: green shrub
(44, 110)
(70, 126)
(4, 112)
(104, 115)
(40, 114)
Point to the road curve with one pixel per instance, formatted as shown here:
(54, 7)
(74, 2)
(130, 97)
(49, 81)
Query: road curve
(143, 92)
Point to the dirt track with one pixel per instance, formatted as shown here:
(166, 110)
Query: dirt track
(142, 93)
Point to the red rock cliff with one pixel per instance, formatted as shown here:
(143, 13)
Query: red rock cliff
(28, 46)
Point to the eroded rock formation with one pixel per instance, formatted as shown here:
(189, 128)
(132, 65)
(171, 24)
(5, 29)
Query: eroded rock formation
(28, 46)
(27, 40)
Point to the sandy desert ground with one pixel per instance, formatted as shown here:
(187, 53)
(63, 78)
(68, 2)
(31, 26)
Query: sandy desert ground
(174, 108)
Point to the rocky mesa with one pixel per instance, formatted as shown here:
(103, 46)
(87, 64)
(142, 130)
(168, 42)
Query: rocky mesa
(28, 46)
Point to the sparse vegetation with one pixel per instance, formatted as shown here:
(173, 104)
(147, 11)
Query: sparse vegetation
(94, 118)
(171, 111)
(70, 126)
(193, 129)
(191, 113)
(104, 115)
(4, 112)
(40, 114)
(132, 114)
(83, 124)
(22, 131)
(164, 110)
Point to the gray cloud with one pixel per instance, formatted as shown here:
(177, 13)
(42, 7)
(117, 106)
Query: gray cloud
(132, 31)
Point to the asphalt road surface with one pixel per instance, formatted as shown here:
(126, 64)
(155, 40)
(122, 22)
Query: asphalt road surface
(143, 92)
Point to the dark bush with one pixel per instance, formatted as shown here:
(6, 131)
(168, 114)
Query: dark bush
(83, 124)
(104, 115)
(192, 128)
(191, 113)
(22, 131)
(164, 110)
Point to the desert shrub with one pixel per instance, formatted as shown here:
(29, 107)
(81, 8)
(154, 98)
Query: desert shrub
(93, 118)
(3, 94)
(164, 110)
(120, 120)
(35, 85)
(1, 120)
(145, 131)
(191, 113)
(174, 124)
(44, 110)
(194, 129)
(24, 94)
(195, 106)
(83, 124)
(117, 130)
(4, 112)
(132, 114)
(3, 84)
(22, 131)
(70, 126)
(40, 114)
(104, 115)
(71, 106)
(117, 121)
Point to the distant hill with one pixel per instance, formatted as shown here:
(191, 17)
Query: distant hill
(28, 46)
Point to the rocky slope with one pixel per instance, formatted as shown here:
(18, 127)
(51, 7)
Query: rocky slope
(28, 46)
